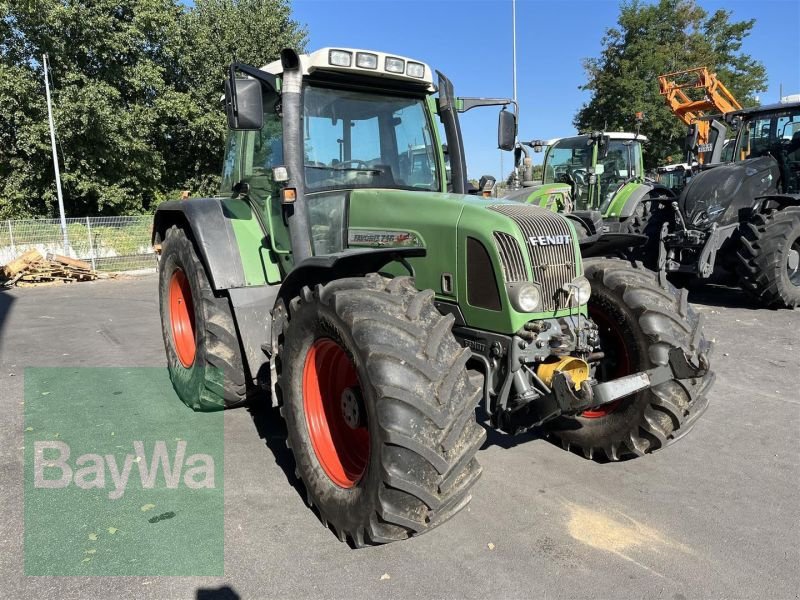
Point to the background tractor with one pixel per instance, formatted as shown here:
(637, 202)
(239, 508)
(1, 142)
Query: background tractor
(741, 220)
(335, 276)
(598, 178)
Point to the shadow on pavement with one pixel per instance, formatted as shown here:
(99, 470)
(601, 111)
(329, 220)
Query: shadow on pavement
(221, 593)
(6, 300)
(722, 296)
(272, 429)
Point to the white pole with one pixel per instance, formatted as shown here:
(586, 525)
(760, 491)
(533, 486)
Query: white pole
(514, 42)
(11, 237)
(91, 243)
(55, 158)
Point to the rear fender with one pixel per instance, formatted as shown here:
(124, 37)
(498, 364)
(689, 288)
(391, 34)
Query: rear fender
(626, 208)
(213, 235)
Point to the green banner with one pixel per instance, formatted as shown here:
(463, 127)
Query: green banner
(121, 478)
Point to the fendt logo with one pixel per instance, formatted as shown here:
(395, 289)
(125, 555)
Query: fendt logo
(549, 240)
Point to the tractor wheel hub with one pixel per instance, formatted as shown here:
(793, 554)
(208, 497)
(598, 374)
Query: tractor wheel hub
(793, 261)
(351, 407)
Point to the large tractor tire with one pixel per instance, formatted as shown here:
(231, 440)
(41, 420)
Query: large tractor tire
(379, 408)
(769, 258)
(203, 351)
(637, 222)
(639, 323)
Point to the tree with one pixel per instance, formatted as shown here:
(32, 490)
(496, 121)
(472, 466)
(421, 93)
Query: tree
(212, 35)
(136, 97)
(652, 39)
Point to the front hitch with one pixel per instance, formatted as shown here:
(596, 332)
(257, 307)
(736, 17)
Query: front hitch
(564, 399)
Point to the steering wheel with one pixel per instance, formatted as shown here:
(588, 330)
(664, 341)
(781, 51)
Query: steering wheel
(577, 175)
(580, 176)
(358, 164)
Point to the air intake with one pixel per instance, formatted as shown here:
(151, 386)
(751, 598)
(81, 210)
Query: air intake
(550, 247)
(510, 257)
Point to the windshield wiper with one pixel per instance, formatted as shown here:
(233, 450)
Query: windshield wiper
(364, 170)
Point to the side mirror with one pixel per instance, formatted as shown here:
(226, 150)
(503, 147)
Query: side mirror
(605, 146)
(506, 130)
(243, 103)
(486, 186)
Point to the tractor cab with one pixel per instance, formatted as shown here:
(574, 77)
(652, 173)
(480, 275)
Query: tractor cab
(596, 165)
(309, 130)
(772, 131)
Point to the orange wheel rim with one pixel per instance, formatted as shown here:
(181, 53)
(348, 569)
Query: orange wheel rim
(336, 423)
(181, 318)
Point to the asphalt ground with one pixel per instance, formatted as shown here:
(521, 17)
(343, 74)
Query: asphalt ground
(717, 515)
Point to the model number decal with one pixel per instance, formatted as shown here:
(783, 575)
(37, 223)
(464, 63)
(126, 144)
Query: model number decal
(549, 240)
(370, 237)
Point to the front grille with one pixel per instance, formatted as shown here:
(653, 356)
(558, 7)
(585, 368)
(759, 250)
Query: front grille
(553, 265)
(510, 257)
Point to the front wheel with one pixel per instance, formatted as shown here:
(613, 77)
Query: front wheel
(639, 323)
(379, 408)
(769, 258)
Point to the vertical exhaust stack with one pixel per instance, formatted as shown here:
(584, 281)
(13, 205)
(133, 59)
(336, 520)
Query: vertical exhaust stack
(293, 153)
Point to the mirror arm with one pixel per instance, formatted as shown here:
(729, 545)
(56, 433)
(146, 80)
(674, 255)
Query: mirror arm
(262, 76)
(470, 103)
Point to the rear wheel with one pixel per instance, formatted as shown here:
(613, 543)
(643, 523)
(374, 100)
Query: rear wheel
(769, 258)
(200, 338)
(379, 408)
(639, 322)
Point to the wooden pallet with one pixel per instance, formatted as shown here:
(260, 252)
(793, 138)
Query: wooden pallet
(32, 268)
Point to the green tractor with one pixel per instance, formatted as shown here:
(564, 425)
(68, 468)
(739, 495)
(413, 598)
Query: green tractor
(598, 178)
(336, 278)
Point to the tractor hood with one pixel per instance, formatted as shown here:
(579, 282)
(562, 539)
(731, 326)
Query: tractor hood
(477, 250)
(717, 195)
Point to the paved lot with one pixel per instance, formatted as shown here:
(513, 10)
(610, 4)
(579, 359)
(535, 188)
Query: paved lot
(716, 515)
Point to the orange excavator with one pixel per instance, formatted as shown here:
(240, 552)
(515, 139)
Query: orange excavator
(716, 99)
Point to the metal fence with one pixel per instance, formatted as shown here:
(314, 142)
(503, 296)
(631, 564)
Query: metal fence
(108, 243)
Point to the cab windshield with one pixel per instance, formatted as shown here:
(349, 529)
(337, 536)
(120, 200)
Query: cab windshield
(769, 134)
(621, 164)
(358, 139)
(569, 161)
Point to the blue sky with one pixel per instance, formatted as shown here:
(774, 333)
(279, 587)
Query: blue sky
(470, 41)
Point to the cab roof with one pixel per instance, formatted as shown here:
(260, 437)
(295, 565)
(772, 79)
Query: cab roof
(614, 135)
(783, 105)
(321, 60)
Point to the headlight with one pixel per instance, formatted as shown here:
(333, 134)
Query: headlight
(340, 58)
(581, 288)
(395, 65)
(525, 297)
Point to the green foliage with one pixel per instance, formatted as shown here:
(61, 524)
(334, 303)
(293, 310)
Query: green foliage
(653, 39)
(136, 97)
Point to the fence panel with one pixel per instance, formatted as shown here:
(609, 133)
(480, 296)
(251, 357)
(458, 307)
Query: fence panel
(108, 243)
